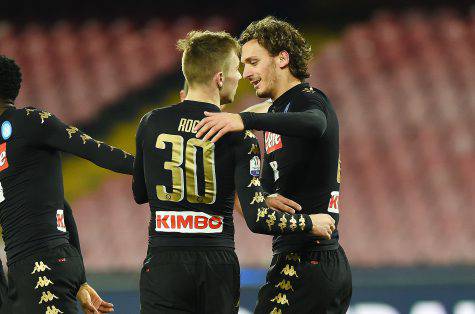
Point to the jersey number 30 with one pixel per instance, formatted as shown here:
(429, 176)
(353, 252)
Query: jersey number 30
(175, 166)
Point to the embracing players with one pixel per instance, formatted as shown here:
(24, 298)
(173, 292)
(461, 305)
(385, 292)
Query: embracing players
(308, 274)
(191, 266)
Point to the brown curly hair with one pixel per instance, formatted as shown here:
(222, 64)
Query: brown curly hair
(276, 36)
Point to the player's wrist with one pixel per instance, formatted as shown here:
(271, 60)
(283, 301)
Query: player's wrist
(247, 119)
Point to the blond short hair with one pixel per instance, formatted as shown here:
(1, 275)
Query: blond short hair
(205, 53)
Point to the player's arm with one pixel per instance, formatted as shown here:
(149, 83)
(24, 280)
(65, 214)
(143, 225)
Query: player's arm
(309, 124)
(47, 130)
(260, 218)
(71, 227)
(139, 186)
(309, 121)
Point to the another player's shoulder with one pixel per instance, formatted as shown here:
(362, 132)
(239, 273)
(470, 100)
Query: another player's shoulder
(33, 116)
(311, 95)
(158, 112)
(310, 98)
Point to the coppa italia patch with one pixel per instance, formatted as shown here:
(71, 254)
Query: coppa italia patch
(333, 204)
(273, 142)
(3, 157)
(255, 166)
(187, 222)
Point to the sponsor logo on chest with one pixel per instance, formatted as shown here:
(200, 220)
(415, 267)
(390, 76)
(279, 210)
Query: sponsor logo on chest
(187, 222)
(3, 157)
(273, 142)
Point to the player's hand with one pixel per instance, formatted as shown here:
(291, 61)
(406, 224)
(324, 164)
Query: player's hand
(217, 124)
(282, 204)
(91, 302)
(323, 225)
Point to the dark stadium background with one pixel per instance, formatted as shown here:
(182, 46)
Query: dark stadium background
(401, 75)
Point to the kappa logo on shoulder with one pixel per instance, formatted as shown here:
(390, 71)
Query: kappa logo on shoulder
(3, 157)
(273, 142)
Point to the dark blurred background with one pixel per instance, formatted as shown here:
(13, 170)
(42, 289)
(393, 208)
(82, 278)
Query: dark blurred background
(401, 75)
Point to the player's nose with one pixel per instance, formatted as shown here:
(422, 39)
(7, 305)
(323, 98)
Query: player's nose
(247, 73)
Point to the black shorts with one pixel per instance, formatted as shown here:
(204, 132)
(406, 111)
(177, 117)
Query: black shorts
(46, 282)
(190, 280)
(307, 282)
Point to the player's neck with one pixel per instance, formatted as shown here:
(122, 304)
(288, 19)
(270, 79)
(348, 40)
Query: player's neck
(204, 95)
(284, 85)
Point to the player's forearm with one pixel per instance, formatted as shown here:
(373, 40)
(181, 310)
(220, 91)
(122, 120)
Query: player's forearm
(261, 219)
(308, 124)
(54, 133)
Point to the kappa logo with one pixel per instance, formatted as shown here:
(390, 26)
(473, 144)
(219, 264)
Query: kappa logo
(60, 220)
(276, 311)
(47, 297)
(187, 222)
(43, 282)
(273, 142)
(333, 204)
(289, 271)
(53, 310)
(281, 298)
(285, 285)
(40, 267)
(3, 157)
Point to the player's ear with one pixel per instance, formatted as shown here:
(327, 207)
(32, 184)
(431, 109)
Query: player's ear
(219, 80)
(182, 95)
(283, 59)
